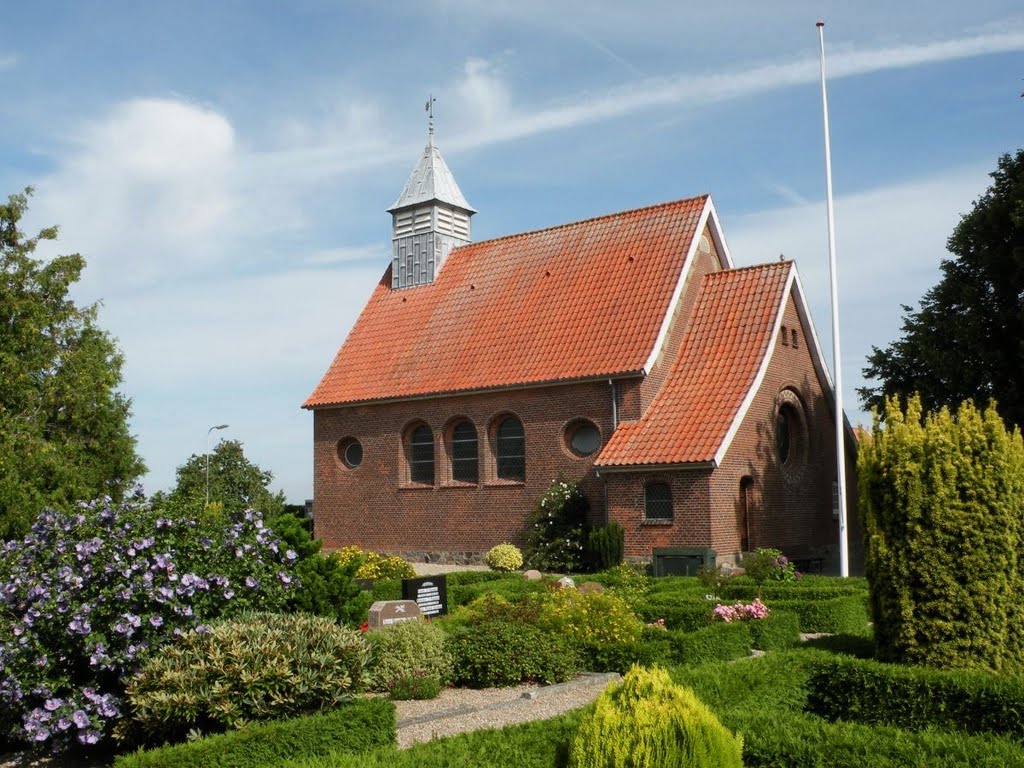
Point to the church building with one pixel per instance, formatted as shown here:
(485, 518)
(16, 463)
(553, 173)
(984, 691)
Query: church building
(688, 397)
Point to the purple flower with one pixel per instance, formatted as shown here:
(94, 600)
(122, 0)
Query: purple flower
(89, 737)
(156, 620)
(41, 735)
(252, 583)
(63, 724)
(79, 718)
(53, 704)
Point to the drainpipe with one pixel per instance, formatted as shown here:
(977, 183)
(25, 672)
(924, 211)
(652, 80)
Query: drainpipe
(615, 406)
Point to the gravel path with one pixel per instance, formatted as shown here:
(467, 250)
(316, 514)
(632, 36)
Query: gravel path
(458, 710)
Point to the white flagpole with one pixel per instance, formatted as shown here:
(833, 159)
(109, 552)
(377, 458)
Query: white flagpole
(844, 555)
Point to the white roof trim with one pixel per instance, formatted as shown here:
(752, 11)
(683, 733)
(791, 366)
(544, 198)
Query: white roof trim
(709, 218)
(761, 371)
(793, 288)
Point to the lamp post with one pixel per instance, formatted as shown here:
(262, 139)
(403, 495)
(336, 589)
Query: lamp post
(210, 430)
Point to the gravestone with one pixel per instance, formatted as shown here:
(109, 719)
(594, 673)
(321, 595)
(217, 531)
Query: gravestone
(430, 593)
(384, 613)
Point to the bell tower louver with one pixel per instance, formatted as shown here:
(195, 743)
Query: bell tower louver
(429, 218)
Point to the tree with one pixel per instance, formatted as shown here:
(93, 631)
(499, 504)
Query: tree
(966, 342)
(236, 484)
(942, 500)
(63, 424)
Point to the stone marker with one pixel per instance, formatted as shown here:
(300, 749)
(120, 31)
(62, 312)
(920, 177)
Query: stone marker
(429, 592)
(591, 587)
(533, 575)
(384, 613)
(565, 582)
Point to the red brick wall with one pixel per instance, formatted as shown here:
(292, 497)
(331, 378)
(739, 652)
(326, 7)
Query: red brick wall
(375, 507)
(691, 499)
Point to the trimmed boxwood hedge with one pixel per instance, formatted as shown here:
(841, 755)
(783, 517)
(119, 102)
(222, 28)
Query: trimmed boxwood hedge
(780, 630)
(685, 616)
(773, 739)
(789, 591)
(915, 698)
(835, 616)
(357, 727)
(719, 642)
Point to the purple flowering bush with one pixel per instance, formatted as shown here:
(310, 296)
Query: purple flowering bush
(86, 597)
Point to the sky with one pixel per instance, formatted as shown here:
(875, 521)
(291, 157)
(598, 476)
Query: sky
(225, 167)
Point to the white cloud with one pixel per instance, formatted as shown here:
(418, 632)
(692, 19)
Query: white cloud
(145, 192)
(889, 242)
(696, 90)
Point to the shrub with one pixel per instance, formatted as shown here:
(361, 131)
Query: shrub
(512, 587)
(838, 615)
(916, 698)
(765, 564)
(682, 615)
(327, 586)
(719, 642)
(355, 727)
(605, 547)
(942, 500)
(794, 740)
(740, 612)
(89, 595)
(259, 666)
(585, 617)
(504, 557)
(712, 578)
(417, 686)
(374, 566)
(407, 650)
(556, 529)
(502, 654)
(619, 657)
(649, 722)
(777, 632)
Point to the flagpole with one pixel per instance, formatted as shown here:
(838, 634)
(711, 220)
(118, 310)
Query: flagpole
(844, 555)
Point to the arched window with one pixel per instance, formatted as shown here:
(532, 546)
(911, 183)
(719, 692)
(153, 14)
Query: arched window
(421, 455)
(510, 450)
(658, 501)
(465, 465)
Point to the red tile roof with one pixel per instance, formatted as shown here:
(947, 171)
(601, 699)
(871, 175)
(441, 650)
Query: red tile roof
(577, 301)
(718, 364)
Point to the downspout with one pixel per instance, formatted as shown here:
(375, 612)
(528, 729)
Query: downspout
(615, 425)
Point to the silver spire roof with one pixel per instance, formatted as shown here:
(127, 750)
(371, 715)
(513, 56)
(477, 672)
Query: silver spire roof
(431, 180)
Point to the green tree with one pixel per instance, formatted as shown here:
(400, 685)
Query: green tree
(236, 484)
(966, 341)
(942, 500)
(63, 424)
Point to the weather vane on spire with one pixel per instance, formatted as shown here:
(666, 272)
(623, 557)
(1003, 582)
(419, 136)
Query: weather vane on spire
(429, 107)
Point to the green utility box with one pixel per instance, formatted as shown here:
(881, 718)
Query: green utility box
(681, 561)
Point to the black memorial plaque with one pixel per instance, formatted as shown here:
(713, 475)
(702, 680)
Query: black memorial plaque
(429, 592)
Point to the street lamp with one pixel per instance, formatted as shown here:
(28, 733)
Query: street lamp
(219, 426)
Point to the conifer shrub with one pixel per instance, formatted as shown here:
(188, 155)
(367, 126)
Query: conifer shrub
(406, 652)
(504, 557)
(942, 500)
(649, 722)
(258, 666)
(605, 547)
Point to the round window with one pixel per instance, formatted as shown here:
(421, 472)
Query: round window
(584, 438)
(350, 452)
(792, 439)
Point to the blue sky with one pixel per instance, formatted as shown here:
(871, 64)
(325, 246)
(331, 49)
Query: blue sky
(225, 167)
